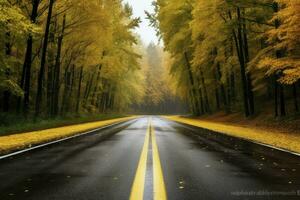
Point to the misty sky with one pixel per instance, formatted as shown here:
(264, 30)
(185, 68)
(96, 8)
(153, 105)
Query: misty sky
(146, 32)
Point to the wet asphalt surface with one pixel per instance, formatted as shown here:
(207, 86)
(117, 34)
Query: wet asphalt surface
(197, 164)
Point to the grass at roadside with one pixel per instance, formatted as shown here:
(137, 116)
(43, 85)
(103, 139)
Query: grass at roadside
(277, 138)
(10, 124)
(23, 140)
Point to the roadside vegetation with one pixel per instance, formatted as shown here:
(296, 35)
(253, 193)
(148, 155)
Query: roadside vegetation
(12, 125)
(281, 138)
(24, 140)
(233, 56)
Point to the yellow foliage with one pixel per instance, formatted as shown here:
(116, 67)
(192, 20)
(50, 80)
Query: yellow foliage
(23, 140)
(277, 139)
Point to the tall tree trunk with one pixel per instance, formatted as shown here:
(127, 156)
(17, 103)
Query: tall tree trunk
(66, 90)
(70, 93)
(279, 54)
(232, 87)
(282, 101)
(67, 83)
(57, 69)
(275, 97)
(89, 87)
(39, 95)
(192, 82)
(222, 87)
(229, 95)
(295, 97)
(202, 109)
(207, 106)
(192, 102)
(217, 96)
(239, 47)
(50, 87)
(247, 60)
(94, 100)
(201, 101)
(79, 90)
(26, 76)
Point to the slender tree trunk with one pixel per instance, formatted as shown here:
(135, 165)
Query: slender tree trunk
(103, 102)
(86, 92)
(239, 47)
(232, 87)
(282, 101)
(90, 87)
(201, 101)
(26, 76)
(247, 60)
(275, 96)
(49, 89)
(67, 83)
(217, 96)
(79, 90)
(229, 95)
(39, 95)
(279, 54)
(192, 82)
(217, 99)
(57, 69)
(295, 97)
(207, 106)
(70, 93)
(94, 100)
(202, 109)
(192, 103)
(222, 87)
(66, 90)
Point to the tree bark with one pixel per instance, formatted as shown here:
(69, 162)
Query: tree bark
(247, 60)
(207, 106)
(79, 90)
(66, 90)
(295, 97)
(70, 93)
(279, 54)
(39, 95)
(26, 75)
(57, 69)
(217, 96)
(222, 87)
(282, 101)
(192, 82)
(239, 47)
(94, 100)
(275, 96)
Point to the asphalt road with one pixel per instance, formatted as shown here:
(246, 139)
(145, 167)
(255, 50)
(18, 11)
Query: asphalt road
(191, 163)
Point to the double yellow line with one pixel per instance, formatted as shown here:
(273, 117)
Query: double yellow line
(159, 189)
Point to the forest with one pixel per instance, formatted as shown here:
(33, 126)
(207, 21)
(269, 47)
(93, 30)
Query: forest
(233, 55)
(67, 57)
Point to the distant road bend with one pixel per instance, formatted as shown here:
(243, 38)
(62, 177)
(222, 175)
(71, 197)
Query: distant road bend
(151, 158)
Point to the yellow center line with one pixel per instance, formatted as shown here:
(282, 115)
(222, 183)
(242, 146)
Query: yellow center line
(158, 178)
(137, 191)
(138, 187)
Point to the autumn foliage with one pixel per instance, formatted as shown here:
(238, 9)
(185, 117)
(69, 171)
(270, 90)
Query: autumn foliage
(232, 55)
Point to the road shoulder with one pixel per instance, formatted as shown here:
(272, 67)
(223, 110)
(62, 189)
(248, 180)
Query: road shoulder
(21, 141)
(278, 139)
